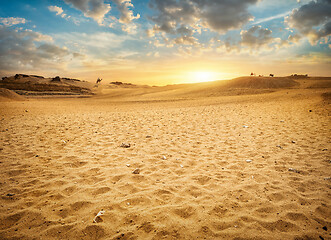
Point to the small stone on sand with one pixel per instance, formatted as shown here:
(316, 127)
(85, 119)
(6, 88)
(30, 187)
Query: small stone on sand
(294, 170)
(136, 171)
(125, 145)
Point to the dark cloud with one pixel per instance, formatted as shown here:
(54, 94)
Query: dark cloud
(216, 15)
(222, 15)
(312, 20)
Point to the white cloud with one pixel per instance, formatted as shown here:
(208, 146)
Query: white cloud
(12, 21)
(281, 15)
(56, 9)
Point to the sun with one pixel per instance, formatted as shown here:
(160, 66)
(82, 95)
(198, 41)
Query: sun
(202, 76)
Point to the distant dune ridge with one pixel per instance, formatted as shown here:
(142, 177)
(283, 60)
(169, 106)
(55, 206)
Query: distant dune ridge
(38, 85)
(34, 85)
(262, 82)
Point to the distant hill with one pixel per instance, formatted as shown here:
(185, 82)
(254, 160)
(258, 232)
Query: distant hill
(38, 85)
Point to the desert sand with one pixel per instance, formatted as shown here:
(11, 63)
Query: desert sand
(233, 165)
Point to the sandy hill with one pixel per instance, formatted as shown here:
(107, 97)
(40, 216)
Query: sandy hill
(38, 85)
(7, 95)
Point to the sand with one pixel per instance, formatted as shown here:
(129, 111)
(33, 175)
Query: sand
(61, 163)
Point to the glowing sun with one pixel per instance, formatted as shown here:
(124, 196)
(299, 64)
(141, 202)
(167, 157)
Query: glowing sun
(203, 76)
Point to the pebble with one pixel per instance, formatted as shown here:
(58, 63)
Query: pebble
(125, 145)
(248, 160)
(10, 194)
(128, 165)
(164, 157)
(136, 171)
(294, 170)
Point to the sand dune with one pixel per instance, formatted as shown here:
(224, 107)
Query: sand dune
(8, 95)
(238, 86)
(224, 167)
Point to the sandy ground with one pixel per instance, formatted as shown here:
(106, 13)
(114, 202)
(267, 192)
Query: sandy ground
(61, 163)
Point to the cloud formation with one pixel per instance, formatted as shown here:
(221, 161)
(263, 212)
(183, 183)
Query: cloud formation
(12, 21)
(98, 9)
(56, 9)
(172, 16)
(95, 9)
(256, 37)
(28, 50)
(312, 20)
(127, 15)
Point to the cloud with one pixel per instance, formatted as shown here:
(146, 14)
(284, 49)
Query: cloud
(312, 20)
(281, 15)
(217, 15)
(95, 9)
(127, 15)
(98, 9)
(104, 49)
(28, 50)
(59, 11)
(221, 16)
(12, 21)
(56, 9)
(256, 37)
(194, 16)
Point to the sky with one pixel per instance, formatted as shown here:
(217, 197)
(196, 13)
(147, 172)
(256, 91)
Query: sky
(160, 42)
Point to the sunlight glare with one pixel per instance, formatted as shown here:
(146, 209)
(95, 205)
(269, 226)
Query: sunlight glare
(203, 76)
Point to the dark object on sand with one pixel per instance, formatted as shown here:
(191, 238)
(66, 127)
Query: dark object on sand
(125, 145)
